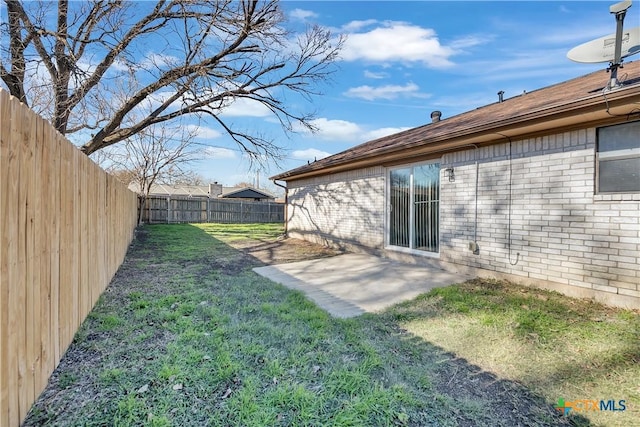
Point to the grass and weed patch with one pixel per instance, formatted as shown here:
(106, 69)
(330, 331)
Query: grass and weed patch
(195, 338)
(558, 346)
(250, 232)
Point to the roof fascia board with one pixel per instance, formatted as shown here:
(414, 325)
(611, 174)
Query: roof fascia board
(582, 113)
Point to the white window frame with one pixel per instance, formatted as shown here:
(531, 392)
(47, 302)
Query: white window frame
(623, 154)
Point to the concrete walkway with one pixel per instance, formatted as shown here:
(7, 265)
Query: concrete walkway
(349, 285)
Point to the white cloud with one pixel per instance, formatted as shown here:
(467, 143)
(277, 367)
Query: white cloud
(396, 41)
(372, 75)
(219, 153)
(156, 99)
(244, 107)
(309, 154)
(345, 131)
(158, 60)
(470, 41)
(336, 130)
(302, 15)
(119, 65)
(203, 132)
(357, 25)
(385, 92)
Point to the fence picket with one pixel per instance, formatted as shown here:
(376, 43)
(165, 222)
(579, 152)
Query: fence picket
(65, 229)
(45, 245)
(54, 255)
(162, 209)
(4, 264)
(32, 299)
(22, 121)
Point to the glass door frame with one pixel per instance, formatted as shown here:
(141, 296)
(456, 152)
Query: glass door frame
(411, 219)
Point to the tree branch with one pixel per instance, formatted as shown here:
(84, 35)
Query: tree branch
(121, 73)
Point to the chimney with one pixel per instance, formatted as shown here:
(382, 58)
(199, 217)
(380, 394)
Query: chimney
(435, 116)
(501, 96)
(215, 190)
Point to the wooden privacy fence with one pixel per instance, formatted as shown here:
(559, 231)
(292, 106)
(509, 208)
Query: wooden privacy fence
(191, 209)
(65, 228)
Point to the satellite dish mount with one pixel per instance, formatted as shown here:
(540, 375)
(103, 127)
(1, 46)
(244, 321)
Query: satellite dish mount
(611, 48)
(620, 10)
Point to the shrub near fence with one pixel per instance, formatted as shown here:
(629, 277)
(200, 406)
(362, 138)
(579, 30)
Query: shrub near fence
(193, 209)
(65, 228)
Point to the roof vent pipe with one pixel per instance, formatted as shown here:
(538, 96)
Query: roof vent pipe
(435, 116)
(501, 96)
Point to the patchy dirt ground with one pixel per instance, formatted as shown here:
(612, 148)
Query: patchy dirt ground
(282, 250)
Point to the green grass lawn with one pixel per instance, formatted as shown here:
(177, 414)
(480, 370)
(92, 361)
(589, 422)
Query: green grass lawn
(188, 335)
(557, 346)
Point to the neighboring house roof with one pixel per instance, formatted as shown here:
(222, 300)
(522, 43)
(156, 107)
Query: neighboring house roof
(174, 190)
(246, 193)
(571, 104)
(203, 191)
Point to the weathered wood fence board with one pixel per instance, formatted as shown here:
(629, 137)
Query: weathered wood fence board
(65, 226)
(192, 209)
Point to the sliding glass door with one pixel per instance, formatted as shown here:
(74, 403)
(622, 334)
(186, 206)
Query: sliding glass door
(399, 217)
(426, 206)
(414, 204)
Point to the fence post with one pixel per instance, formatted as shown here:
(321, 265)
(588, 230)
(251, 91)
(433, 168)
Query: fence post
(168, 209)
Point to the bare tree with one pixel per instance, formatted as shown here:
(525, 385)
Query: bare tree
(189, 177)
(115, 68)
(128, 176)
(157, 154)
(124, 175)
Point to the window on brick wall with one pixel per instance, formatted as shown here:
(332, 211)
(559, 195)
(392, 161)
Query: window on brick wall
(618, 159)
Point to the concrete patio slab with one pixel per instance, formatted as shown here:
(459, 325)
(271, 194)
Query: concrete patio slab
(351, 284)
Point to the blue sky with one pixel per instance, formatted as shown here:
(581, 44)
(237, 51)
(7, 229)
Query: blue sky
(403, 60)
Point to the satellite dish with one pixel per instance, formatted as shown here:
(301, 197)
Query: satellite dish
(603, 48)
(620, 7)
(610, 48)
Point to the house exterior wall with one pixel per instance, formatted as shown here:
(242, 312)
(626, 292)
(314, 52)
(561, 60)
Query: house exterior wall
(538, 219)
(342, 210)
(547, 225)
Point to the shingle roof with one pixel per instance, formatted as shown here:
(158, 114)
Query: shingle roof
(246, 192)
(196, 190)
(570, 98)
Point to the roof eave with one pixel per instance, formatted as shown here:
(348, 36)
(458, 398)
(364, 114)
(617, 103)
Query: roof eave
(586, 111)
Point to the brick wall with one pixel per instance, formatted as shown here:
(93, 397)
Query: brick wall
(547, 225)
(538, 220)
(344, 209)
